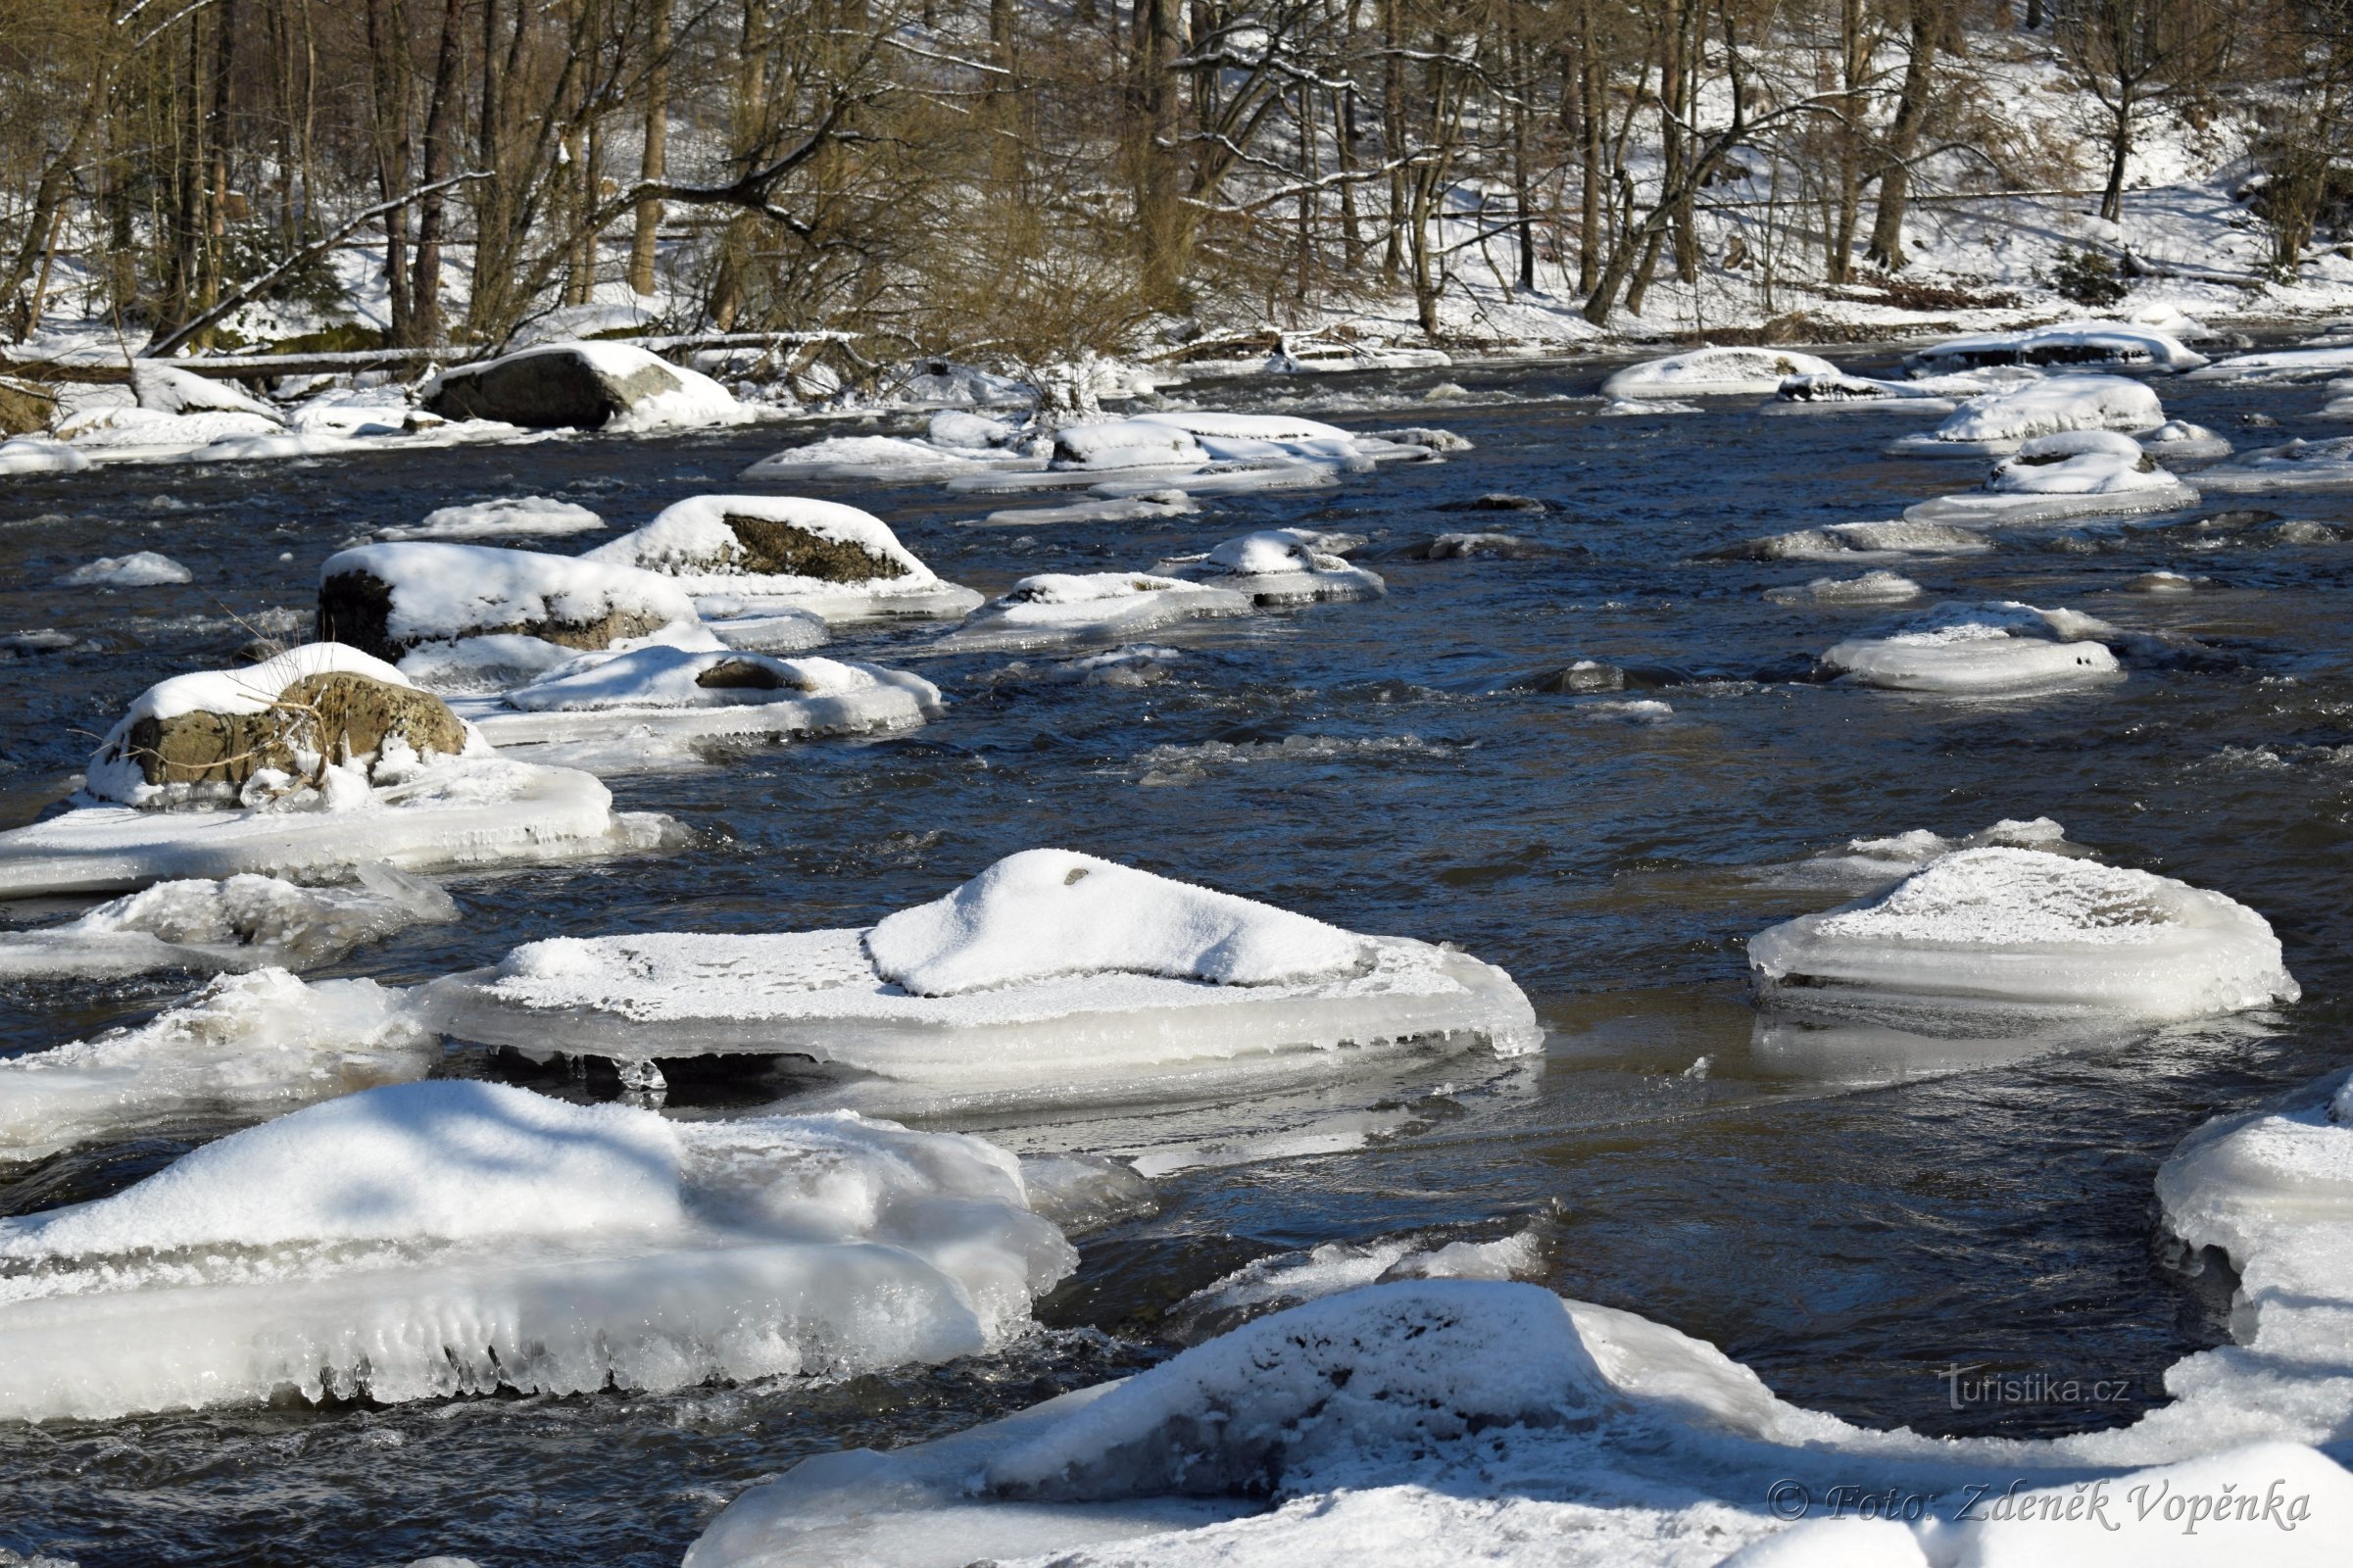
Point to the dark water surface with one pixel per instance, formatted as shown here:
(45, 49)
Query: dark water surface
(1847, 1236)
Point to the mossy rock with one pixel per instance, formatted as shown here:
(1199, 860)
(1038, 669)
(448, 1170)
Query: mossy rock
(354, 609)
(26, 409)
(767, 547)
(336, 715)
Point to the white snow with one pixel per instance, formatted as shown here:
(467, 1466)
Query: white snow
(2311, 466)
(1997, 421)
(1896, 540)
(39, 454)
(1715, 372)
(442, 1237)
(2280, 364)
(889, 460)
(1871, 588)
(2089, 342)
(142, 569)
(249, 1046)
(691, 544)
(509, 517)
(1048, 972)
(240, 922)
(2180, 441)
(2056, 477)
(2025, 932)
(679, 693)
(447, 590)
(1091, 606)
(1278, 566)
(1127, 444)
(2004, 649)
(376, 411)
(166, 389)
(1152, 504)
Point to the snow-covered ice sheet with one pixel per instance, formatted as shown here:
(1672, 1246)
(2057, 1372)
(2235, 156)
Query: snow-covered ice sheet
(2280, 364)
(239, 922)
(2054, 478)
(1841, 542)
(247, 1046)
(1144, 508)
(1865, 864)
(1714, 372)
(1048, 972)
(1057, 608)
(142, 568)
(1994, 650)
(1838, 393)
(1871, 588)
(2024, 933)
(443, 1238)
(1998, 422)
(2089, 342)
(2305, 465)
(681, 694)
(1277, 567)
(783, 552)
(506, 518)
(878, 458)
(2181, 441)
(39, 454)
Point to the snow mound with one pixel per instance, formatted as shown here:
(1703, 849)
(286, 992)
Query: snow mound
(39, 454)
(1047, 973)
(240, 922)
(246, 1045)
(2091, 342)
(2297, 465)
(1056, 608)
(1715, 372)
(2056, 477)
(1871, 588)
(2280, 364)
(1999, 420)
(1278, 566)
(443, 1238)
(142, 569)
(850, 458)
(1043, 914)
(820, 556)
(165, 389)
(2002, 649)
(508, 517)
(440, 592)
(2030, 933)
(121, 431)
(2180, 441)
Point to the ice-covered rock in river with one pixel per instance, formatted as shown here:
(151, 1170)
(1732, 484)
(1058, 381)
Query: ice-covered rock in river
(311, 764)
(2180, 441)
(1999, 420)
(387, 599)
(781, 552)
(2315, 465)
(39, 454)
(2051, 479)
(2092, 342)
(142, 568)
(248, 1045)
(1277, 567)
(1192, 440)
(2024, 933)
(1057, 607)
(1840, 392)
(2000, 650)
(885, 458)
(686, 694)
(1051, 973)
(506, 518)
(240, 922)
(1715, 372)
(1871, 588)
(590, 386)
(1841, 542)
(447, 1238)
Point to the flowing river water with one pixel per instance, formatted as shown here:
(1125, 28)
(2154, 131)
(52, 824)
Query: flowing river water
(1850, 1226)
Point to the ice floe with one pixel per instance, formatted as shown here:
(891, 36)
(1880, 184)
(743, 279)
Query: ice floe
(1051, 972)
(2092, 342)
(142, 569)
(239, 922)
(1999, 420)
(1897, 540)
(2003, 648)
(443, 1238)
(1714, 372)
(1057, 608)
(246, 1046)
(2281, 365)
(1144, 508)
(311, 764)
(2025, 933)
(1278, 566)
(678, 694)
(592, 386)
(1866, 864)
(2180, 441)
(508, 517)
(2313, 466)
(769, 552)
(1871, 588)
(2051, 479)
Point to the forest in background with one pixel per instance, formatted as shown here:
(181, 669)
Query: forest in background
(1026, 180)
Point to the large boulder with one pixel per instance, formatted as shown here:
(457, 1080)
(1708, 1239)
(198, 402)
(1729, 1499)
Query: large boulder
(706, 538)
(26, 408)
(317, 703)
(585, 385)
(386, 598)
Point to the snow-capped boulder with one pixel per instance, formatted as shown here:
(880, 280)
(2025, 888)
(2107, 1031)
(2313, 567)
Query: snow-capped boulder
(1057, 607)
(210, 734)
(2091, 342)
(1999, 420)
(2077, 474)
(823, 557)
(1278, 566)
(1715, 372)
(428, 1239)
(387, 599)
(1050, 972)
(2004, 649)
(2013, 931)
(589, 386)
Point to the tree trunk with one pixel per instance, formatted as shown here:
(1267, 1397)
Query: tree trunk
(653, 165)
(1160, 227)
(441, 119)
(2119, 153)
(1886, 250)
